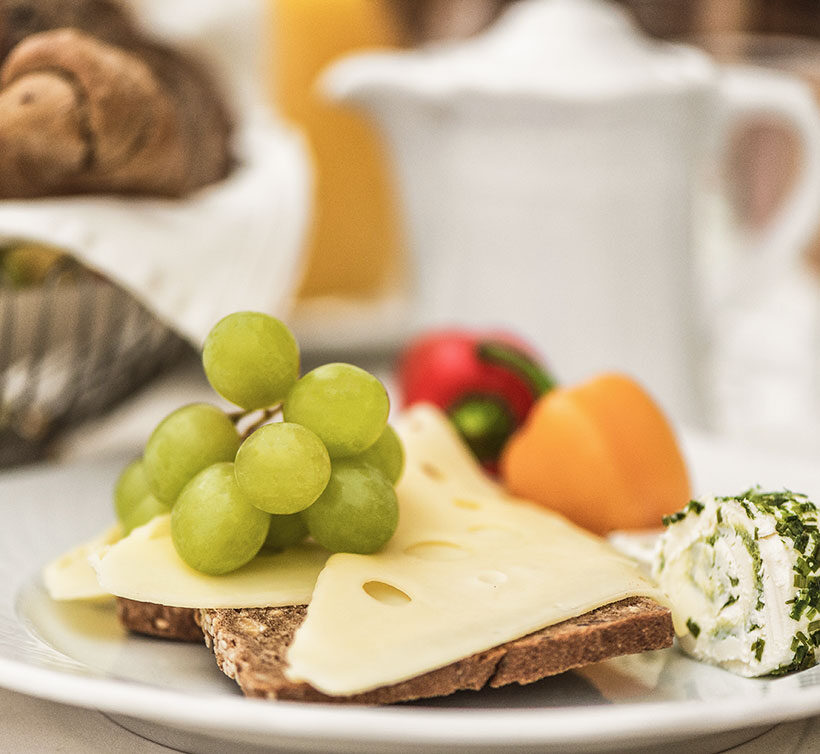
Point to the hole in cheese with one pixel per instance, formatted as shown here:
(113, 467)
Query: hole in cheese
(469, 505)
(492, 577)
(385, 593)
(437, 551)
(432, 471)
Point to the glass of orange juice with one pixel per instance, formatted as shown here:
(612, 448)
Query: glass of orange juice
(355, 249)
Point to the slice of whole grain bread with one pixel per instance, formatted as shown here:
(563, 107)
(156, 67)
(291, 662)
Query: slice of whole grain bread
(165, 622)
(250, 646)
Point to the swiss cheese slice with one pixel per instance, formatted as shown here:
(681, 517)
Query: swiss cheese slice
(469, 568)
(144, 566)
(71, 577)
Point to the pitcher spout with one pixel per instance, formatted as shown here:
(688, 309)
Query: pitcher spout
(369, 80)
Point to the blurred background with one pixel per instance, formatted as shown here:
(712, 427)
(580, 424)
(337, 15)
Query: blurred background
(626, 185)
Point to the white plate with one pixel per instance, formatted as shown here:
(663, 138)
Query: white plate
(78, 654)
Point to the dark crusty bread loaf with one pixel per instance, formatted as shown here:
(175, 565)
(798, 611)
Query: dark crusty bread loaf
(90, 103)
(159, 620)
(250, 646)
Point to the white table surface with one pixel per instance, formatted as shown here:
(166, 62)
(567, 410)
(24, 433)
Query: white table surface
(29, 724)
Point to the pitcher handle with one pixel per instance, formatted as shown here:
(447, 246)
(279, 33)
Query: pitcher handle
(753, 93)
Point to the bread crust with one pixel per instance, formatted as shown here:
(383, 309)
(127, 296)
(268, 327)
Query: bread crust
(162, 621)
(250, 646)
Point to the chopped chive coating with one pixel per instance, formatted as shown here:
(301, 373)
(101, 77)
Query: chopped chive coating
(695, 506)
(731, 601)
(757, 562)
(673, 518)
(794, 519)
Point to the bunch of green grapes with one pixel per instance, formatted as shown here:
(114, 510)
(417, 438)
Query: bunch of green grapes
(327, 469)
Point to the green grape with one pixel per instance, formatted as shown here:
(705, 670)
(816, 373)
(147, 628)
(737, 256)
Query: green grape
(344, 405)
(133, 501)
(185, 442)
(252, 359)
(146, 509)
(285, 531)
(282, 468)
(386, 454)
(213, 526)
(130, 489)
(357, 512)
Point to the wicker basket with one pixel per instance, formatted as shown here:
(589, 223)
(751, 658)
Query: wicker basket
(72, 345)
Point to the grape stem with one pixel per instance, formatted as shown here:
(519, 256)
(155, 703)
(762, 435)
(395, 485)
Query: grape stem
(237, 417)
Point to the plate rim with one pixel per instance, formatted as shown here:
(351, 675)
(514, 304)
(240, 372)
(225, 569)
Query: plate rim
(299, 721)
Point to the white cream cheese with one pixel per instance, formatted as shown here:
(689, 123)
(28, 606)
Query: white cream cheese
(741, 574)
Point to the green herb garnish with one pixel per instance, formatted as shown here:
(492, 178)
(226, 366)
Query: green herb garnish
(673, 518)
(695, 506)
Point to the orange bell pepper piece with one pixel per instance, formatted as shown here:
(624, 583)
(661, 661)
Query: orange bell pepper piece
(601, 453)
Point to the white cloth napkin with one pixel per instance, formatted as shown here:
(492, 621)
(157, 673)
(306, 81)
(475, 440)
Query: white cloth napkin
(233, 245)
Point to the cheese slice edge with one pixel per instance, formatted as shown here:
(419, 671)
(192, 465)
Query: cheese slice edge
(144, 566)
(71, 577)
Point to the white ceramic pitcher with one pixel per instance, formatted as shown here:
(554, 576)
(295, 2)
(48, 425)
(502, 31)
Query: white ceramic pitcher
(552, 171)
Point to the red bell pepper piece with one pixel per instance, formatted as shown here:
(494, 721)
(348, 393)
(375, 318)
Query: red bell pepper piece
(485, 382)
